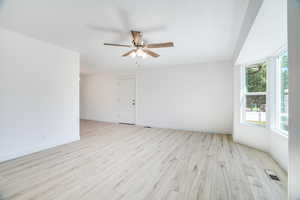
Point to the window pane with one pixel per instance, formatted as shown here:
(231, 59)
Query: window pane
(284, 92)
(256, 78)
(284, 122)
(256, 109)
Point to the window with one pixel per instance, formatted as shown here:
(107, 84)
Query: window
(282, 92)
(255, 94)
(257, 97)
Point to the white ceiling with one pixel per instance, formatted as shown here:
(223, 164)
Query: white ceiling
(202, 30)
(268, 33)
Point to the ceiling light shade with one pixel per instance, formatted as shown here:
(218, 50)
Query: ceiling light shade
(139, 52)
(144, 55)
(133, 54)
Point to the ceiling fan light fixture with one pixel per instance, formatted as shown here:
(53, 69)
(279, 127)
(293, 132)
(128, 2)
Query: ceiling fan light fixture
(140, 48)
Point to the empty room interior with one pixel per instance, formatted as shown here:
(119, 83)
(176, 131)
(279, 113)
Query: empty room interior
(150, 100)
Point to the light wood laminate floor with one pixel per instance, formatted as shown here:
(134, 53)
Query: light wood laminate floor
(114, 161)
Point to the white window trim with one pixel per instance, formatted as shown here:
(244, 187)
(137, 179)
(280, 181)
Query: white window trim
(244, 93)
(277, 95)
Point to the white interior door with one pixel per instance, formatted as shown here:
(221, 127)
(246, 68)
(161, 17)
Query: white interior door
(127, 101)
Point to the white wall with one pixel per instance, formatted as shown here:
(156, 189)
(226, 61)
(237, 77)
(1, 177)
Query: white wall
(193, 97)
(98, 97)
(39, 92)
(294, 98)
(278, 149)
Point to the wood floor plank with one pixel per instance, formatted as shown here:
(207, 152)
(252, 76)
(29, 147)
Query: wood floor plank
(113, 161)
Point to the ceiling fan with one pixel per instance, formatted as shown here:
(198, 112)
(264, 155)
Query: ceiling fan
(140, 48)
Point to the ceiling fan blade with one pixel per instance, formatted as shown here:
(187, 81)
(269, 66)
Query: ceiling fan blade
(117, 45)
(128, 53)
(160, 45)
(137, 37)
(151, 53)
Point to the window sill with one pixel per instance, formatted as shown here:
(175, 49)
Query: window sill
(253, 125)
(281, 133)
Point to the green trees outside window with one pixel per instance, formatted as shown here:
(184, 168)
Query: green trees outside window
(255, 97)
(256, 78)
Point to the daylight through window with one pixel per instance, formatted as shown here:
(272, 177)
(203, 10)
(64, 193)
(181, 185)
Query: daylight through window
(282, 106)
